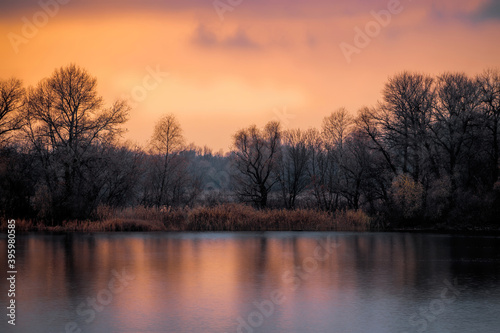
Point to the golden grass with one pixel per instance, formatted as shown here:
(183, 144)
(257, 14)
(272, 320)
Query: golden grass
(226, 217)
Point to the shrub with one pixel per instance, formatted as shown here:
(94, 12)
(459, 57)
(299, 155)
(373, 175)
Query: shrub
(407, 196)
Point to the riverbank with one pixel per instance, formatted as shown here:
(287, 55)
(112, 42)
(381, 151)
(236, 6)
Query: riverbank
(227, 217)
(238, 217)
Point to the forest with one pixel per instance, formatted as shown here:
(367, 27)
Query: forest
(425, 156)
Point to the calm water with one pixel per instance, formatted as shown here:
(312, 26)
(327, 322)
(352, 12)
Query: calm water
(255, 282)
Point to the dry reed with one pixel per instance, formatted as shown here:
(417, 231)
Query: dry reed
(225, 217)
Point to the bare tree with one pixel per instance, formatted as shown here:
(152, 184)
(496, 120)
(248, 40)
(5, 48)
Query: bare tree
(169, 167)
(405, 116)
(489, 83)
(65, 118)
(455, 121)
(12, 100)
(344, 162)
(118, 174)
(355, 169)
(256, 158)
(292, 171)
(328, 156)
(367, 121)
(321, 172)
(336, 127)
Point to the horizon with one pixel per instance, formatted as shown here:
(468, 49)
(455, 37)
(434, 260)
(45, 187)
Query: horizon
(248, 63)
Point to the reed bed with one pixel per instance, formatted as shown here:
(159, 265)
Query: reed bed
(225, 217)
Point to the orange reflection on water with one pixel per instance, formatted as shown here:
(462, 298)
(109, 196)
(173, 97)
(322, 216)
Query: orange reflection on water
(212, 280)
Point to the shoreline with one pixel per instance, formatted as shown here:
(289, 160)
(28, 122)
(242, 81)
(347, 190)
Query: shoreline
(454, 232)
(235, 218)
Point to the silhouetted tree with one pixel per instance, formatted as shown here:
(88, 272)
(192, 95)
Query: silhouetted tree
(455, 122)
(65, 118)
(18, 177)
(322, 171)
(368, 122)
(355, 169)
(12, 100)
(489, 83)
(292, 167)
(168, 167)
(427, 152)
(336, 127)
(256, 159)
(118, 175)
(404, 117)
(328, 158)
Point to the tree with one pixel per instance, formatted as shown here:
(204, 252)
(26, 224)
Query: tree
(322, 173)
(455, 125)
(292, 170)
(256, 158)
(348, 159)
(66, 118)
(367, 121)
(328, 154)
(407, 196)
(18, 177)
(336, 127)
(370, 135)
(404, 117)
(118, 174)
(168, 173)
(489, 83)
(355, 169)
(12, 100)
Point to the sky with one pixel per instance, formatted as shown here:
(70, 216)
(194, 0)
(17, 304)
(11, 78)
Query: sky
(220, 66)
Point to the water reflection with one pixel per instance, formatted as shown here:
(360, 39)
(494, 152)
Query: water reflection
(211, 282)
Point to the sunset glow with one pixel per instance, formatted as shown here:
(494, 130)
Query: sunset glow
(249, 63)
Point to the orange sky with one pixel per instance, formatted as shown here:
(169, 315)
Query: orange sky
(264, 60)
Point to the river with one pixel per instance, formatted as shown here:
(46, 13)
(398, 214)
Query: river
(255, 282)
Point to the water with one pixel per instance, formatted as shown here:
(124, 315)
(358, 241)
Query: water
(255, 282)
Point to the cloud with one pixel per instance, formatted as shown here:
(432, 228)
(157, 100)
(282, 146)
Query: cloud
(311, 41)
(490, 11)
(465, 10)
(204, 37)
(239, 40)
(261, 8)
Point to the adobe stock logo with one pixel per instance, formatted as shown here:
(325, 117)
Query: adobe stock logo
(283, 116)
(150, 82)
(372, 29)
(292, 280)
(29, 30)
(89, 308)
(222, 6)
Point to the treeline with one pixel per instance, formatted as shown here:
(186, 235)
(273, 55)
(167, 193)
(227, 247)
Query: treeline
(427, 154)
